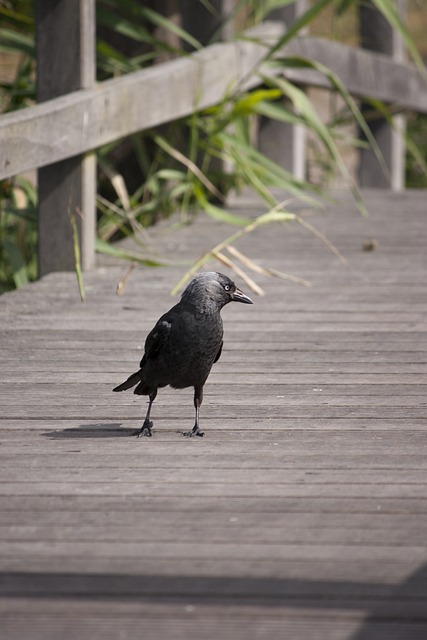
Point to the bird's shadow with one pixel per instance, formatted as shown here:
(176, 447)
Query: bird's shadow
(93, 430)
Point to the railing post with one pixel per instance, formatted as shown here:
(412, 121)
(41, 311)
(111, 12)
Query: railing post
(65, 41)
(281, 142)
(376, 34)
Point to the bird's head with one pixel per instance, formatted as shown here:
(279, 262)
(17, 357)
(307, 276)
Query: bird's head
(214, 287)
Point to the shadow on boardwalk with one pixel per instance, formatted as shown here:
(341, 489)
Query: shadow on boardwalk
(95, 430)
(382, 604)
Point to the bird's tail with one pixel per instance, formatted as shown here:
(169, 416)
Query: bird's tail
(142, 388)
(130, 382)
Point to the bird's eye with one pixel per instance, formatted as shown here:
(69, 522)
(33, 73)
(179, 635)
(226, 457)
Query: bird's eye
(227, 287)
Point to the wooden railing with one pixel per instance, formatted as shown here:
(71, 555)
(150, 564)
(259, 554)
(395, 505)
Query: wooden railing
(75, 115)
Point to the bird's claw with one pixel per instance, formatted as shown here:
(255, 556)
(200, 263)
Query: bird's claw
(194, 432)
(145, 430)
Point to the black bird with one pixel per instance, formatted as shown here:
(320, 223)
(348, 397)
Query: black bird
(185, 343)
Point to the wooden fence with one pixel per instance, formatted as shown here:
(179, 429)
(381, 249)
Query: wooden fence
(76, 115)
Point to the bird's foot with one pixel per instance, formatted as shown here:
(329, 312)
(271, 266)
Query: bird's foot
(145, 430)
(194, 432)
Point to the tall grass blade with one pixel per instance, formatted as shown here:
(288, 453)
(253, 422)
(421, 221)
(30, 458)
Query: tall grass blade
(175, 153)
(239, 272)
(390, 11)
(72, 215)
(124, 254)
(265, 271)
(160, 21)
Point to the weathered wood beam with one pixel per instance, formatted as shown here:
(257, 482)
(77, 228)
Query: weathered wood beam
(364, 73)
(86, 119)
(378, 35)
(65, 44)
(285, 143)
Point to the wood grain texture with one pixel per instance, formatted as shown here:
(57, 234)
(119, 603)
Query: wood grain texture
(87, 119)
(68, 187)
(301, 514)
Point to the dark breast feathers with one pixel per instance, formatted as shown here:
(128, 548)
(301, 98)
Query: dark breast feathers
(181, 349)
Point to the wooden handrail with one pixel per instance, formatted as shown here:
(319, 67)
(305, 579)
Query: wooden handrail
(58, 136)
(86, 119)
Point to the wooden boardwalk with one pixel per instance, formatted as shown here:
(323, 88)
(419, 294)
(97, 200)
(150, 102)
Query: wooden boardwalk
(302, 513)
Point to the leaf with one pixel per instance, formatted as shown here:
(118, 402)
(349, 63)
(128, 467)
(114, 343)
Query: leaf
(175, 153)
(411, 147)
(341, 6)
(300, 23)
(160, 21)
(72, 215)
(266, 271)
(322, 237)
(224, 216)
(133, 30)
(348, 99)
(260, 172)
(273, 216)
(117, 182)
(171, 174)
(121, 285)
(270, 5)
(180, 190)
(112, 250)
(219, 214)
(28, 214)
(142, 154)
(28, 188)
(12, 41)
(17, 263)
(20, 20)
(277, 112)
(246, 104)
(232, 265)
(390, 11)
(270, 216)
(303, 105)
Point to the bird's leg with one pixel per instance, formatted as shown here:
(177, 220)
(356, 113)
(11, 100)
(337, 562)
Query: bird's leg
(145, 430)
(198, 397)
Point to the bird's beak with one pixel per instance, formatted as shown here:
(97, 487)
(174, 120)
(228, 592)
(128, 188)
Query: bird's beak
(239, 296)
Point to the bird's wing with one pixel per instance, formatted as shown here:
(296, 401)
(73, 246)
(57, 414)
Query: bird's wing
(156, 339)
(218, 355)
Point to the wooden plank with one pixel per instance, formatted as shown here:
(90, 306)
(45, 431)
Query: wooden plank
(201, 549)
(233, 375)
(306, 522)
(227, 618)
(116, 453)
(201, 588)
(364, 73)
(242, 534)
(229, 370)
(357, 571)
(263, 476)
(274, 395)
(120, 362)
(212, 489)
(323, 507)
(86, 119)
